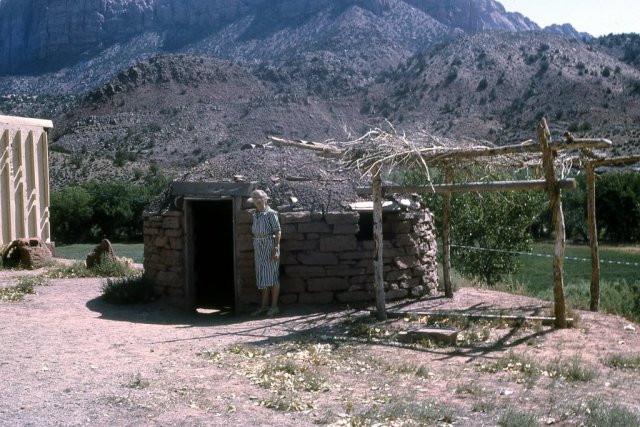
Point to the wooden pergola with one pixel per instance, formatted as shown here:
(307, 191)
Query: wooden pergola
(378, 150)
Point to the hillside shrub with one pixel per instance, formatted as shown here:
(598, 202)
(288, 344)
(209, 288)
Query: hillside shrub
(123, 156)
(544, 66)
(451, 76)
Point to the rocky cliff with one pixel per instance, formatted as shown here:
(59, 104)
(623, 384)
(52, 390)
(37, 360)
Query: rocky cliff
(474, 15)
(41, 35)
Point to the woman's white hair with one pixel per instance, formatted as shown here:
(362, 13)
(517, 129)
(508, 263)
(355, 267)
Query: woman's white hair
(258, 194)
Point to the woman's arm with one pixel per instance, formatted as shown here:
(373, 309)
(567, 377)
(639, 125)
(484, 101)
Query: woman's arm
(275, 252)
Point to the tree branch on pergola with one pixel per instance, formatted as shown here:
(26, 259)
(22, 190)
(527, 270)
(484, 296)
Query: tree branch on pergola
(380, 151)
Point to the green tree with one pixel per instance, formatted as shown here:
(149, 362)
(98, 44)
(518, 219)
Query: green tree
(618, 206)
(617, 209)
(574, 204)
(71, 214)
(96, 210)
(487, 228)
(112, 207)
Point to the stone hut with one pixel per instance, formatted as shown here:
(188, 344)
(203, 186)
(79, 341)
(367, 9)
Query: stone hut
(198, 247)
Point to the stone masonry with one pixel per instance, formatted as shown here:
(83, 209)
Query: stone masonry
(164, 260)
(322, 261)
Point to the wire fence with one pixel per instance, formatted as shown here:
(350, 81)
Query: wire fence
(633, 264)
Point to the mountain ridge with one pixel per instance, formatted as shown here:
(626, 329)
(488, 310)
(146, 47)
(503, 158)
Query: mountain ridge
(140, 106)
(47, 35)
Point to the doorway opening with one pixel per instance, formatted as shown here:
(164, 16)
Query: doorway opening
(213, 255)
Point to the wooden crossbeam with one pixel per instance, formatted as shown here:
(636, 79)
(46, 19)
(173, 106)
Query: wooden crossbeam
(442, 153)
(615, 161)
(531, 185)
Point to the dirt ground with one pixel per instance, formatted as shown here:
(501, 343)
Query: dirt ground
(67, 358)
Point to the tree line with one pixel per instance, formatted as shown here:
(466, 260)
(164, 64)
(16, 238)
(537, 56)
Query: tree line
(487, 229)
(505, 222)
(89, 212)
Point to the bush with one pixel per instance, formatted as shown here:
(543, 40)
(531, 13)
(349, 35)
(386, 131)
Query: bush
(127, 290)
(544, 66)
(451, 76)
(610, 415)
(516, 418)
(25, 285)
(107, 268)
(487, 228)
(623, 361)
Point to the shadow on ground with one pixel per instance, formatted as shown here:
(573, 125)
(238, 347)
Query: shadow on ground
(324, 323)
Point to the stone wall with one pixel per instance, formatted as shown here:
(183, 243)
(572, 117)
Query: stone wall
(164, 259)
(322, 260)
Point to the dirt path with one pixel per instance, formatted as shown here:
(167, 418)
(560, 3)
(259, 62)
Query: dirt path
(69, 359)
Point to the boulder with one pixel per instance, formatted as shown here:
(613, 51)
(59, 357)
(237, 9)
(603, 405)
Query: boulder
(101, 252)
(27, 253)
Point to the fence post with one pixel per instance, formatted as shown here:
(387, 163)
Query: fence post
(378, 259)
(593, 237)
(446, 236)
(558, 222)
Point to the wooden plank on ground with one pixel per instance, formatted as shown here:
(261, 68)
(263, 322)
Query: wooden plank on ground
(507, 318)
(448, 336)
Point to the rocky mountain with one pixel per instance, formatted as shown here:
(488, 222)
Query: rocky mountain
(569, 31)
(44, 35)
(496, 86)
(183, 81)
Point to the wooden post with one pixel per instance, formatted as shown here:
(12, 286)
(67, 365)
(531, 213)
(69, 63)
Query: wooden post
(558, 221)
(592, 224)
(378, 260)
(593, 237)
(446, 236)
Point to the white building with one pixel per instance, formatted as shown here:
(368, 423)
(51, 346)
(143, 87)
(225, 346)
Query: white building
(24, 179)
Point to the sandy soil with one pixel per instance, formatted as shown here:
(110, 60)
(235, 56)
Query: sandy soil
(67, 358)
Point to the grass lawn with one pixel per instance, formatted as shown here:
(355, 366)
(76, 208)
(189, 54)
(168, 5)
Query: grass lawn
(619, 277)
(80, 251)
(537, 271)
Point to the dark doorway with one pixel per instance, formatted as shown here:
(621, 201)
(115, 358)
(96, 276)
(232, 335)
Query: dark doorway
(213, 249)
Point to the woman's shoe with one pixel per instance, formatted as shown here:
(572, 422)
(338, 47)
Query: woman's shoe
(273, 311)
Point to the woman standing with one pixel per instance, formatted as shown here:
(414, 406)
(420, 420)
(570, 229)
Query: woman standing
(266, 246)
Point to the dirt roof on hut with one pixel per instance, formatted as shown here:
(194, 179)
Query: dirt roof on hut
(294, 179)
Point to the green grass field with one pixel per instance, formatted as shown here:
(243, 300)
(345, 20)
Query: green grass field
(79, 251)
(619, 277)
(538, 272)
